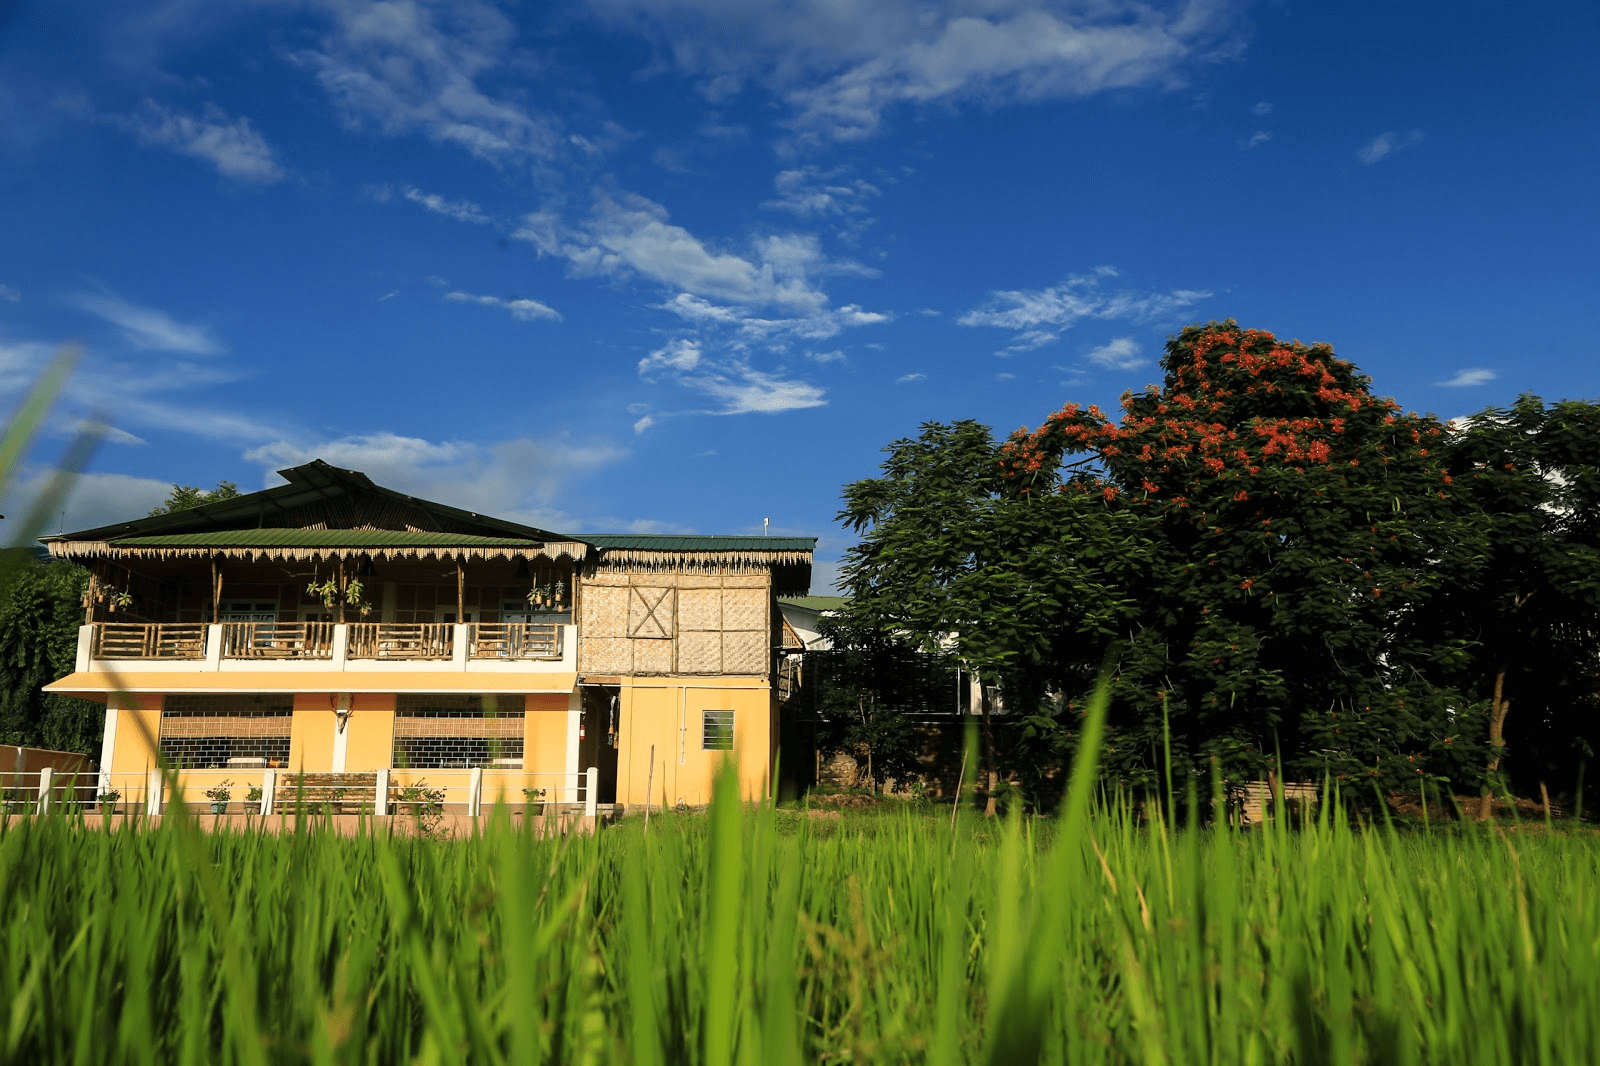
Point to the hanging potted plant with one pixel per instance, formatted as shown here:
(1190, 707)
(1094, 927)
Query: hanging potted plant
(354, 594)
(533, 800)
(549, 597)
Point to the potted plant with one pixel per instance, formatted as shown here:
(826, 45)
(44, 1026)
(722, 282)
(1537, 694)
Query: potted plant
(219, 795)
(551, 597)
(533, 799)
(252, 797)
(108, 801)
(328, 592)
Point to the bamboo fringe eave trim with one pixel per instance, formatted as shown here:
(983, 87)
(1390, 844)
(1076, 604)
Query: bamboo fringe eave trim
(700, 560)
(102, 550)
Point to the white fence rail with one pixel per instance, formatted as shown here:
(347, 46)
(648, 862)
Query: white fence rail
(470, 791)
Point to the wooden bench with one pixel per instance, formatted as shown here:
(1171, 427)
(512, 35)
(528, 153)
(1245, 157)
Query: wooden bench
(325, 793)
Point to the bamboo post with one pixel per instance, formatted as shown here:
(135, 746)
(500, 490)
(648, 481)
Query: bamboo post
(461, 589)
(216, 591)
(89, 595)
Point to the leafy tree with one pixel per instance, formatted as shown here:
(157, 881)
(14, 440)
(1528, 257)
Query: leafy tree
(1531, 610)
(183, 497)
(1297, 518)
(41, 606)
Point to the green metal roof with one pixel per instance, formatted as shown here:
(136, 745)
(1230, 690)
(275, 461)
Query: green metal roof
(321, 538)
(671, 542)
(815, 603)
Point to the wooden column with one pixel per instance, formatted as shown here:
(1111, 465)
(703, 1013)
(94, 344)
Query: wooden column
(343, 583)
(90, 592)
(216, 591)
(461, 589)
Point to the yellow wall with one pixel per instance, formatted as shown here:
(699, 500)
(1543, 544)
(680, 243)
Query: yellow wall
(311, 732)
(370, 744)
(138, 734)
(654, 710)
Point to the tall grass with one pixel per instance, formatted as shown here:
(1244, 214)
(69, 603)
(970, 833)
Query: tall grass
(762, 936)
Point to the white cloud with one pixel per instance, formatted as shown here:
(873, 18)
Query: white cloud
(522, 308)
(1258, 138)
(681, 355)
(743, 390)
(910, 379)
(1005, 376)
(9, 294)
(147, 327)
(644, 423)
(1039, 316)
(1469, 377)
(460, 210)
(92, 499)
(1261, 108)
(232, 145)
(812, 191)
(1386, 144)
(843, 64)
(834, 356)
(521, 479)
(1121, 353)
(391, 294)
(403, 66)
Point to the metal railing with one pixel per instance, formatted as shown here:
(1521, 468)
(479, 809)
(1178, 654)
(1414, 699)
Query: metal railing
(401, 640)
(150, 640)
(515, 640)
(277, 640)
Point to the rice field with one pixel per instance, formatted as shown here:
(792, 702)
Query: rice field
(768, 936)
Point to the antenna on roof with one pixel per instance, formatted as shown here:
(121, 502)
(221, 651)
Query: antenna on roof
(765, 522)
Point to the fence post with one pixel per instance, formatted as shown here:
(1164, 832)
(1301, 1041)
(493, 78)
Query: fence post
(380, 803)
(591, 786)
(475, 791)
(269, 790)
(152, 792)
(44, 788)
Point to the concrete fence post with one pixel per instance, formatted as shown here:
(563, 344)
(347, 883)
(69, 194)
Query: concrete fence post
(45, 784)
(152, 792)
(380, 802)
(475, 791)
(591, 789)
(269, 791)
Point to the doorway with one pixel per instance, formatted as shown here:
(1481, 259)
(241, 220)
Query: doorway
(599, 737)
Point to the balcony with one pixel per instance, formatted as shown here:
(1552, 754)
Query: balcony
(322, 646)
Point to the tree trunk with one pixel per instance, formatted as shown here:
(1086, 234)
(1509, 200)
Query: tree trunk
(1498, 707)
(991, 776)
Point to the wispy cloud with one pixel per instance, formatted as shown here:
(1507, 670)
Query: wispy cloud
(9, 294)
(834, 356)
(1468, 377)
(1039, 316)
(1386, 144)
(147, 327)
(911, 378)
(744, 390)
(459, 210)
(391, 294)
(232, 145)
(1261, 107)
(521, 308)
(1257, 139)
(812, 191)
(1122, 353)
(405, 67)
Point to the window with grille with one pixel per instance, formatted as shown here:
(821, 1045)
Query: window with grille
(226, 732)
(716, 730)
(457, 732)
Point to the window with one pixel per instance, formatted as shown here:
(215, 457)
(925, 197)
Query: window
(226, 732)
(432, 732)
(716, 730)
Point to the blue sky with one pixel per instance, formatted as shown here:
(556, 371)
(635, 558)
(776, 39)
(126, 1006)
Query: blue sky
(685, 264)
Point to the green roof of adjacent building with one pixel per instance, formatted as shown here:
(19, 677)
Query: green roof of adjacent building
(320, 538)
(815, 603)
(672, 542)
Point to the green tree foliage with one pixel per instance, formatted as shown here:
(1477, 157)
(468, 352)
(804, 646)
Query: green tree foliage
(1531, 609)
(183, 497)
(41, 607)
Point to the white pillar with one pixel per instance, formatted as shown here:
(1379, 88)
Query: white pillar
(269, 789)
(45, 785)
(85, 647)
(341, 645)
(152, 792)
(591, 788)
(380, 803)
(213, 645)
(475, 791)
(458, 646)
(108, 746)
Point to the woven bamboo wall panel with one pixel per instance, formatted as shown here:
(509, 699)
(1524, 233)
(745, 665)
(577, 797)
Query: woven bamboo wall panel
(611, 578)
(699, 609)
(605, 655)
(652, 656)
(744, 653)
(744, 609)
(700, 653)
(604, 611)
(651, 612)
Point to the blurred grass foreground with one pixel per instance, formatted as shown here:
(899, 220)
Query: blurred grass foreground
(768, 936)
